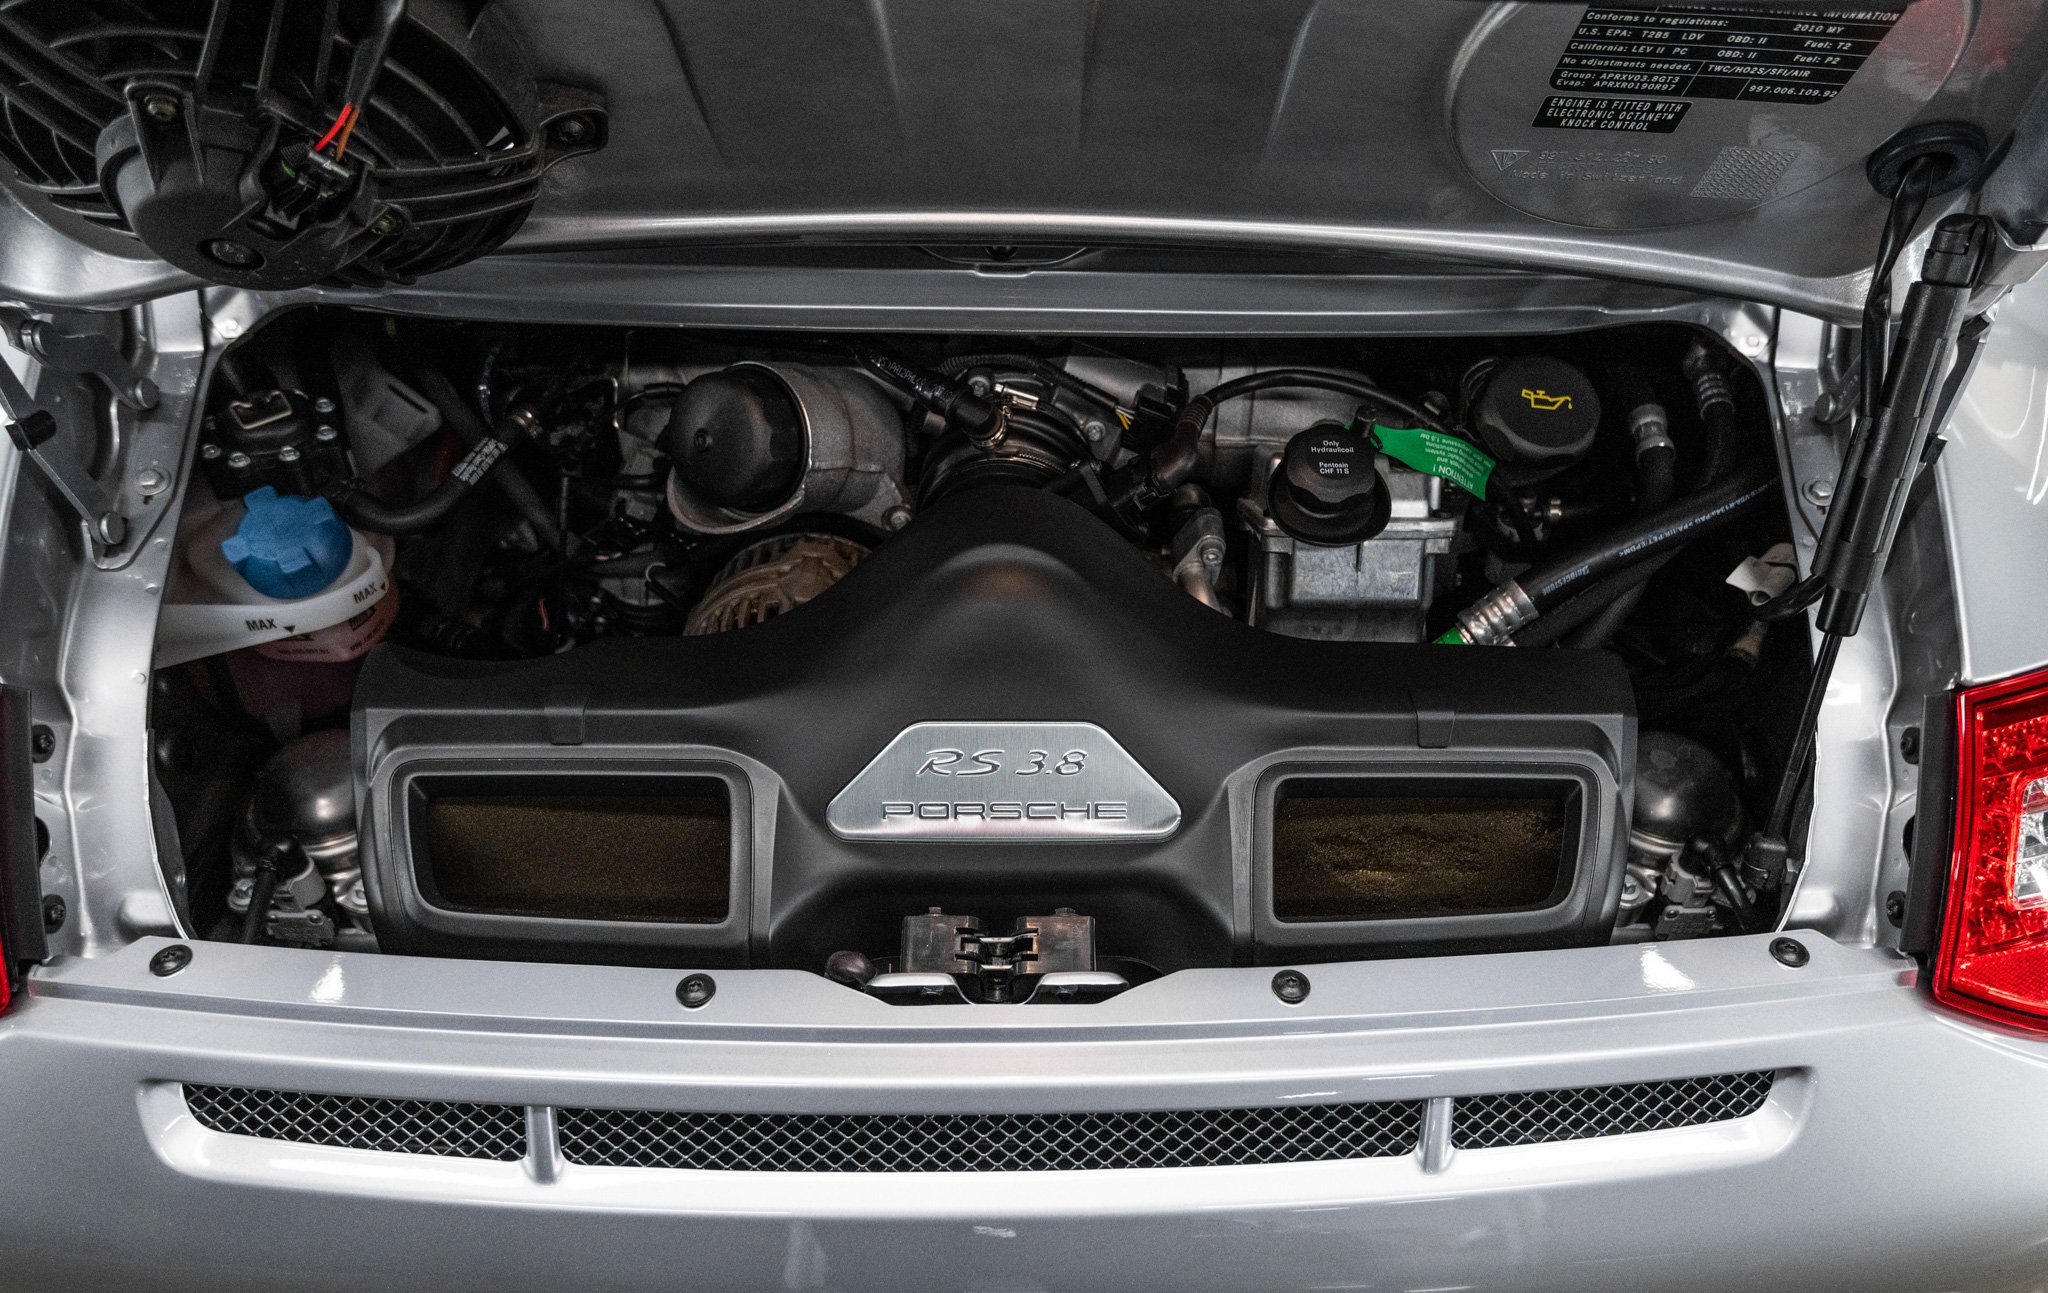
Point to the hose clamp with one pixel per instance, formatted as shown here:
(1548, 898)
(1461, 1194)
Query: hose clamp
(1496, 617)
(1651, 427)
(524, 421)
(1710, 388)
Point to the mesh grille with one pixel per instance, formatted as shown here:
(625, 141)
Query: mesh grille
(453, 1129)
(1539, 1117)
(727, 1142)
(724, 1142)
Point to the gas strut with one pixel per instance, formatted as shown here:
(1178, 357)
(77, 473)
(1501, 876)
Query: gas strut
(1858, 541)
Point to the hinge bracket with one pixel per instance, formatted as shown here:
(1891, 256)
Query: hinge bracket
(32, 419)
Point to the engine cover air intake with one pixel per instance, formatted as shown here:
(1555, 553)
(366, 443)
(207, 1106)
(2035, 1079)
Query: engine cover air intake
(1004, 711)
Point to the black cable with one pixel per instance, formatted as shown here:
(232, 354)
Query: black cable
(1916, 184)
(1796, 600)
(1728, 888)
(1175, 460)
(1311, 379)
(1058, 376)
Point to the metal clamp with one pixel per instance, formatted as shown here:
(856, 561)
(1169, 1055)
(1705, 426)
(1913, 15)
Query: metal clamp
(1494, 618)
(993, 965)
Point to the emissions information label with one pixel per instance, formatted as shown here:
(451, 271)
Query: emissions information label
(1585, 112)
(1714, 52)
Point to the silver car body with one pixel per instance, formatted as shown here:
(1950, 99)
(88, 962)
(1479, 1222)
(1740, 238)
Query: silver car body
(1902, 1147)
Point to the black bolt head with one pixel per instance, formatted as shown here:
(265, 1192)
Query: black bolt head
(695, 990)
(42, 743)
(572, 130)
(233, 254)
(850, 968)
(1790, 951)
(170, 960)
(1895, 908)
(54, 912)
(1291, 986)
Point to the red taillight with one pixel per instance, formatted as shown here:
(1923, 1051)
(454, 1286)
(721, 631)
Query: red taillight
(1993, 961)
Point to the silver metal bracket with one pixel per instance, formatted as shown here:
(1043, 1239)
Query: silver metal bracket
(2007, 264)
(32, 420)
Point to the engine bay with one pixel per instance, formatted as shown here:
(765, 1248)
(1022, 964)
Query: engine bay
(1005, 668)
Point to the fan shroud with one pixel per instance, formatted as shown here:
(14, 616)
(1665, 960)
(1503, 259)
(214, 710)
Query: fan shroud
(447, 153)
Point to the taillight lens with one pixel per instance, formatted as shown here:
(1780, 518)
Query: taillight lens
(1993, 961)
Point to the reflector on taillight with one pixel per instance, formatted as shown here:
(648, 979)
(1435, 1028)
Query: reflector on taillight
(1993, 959)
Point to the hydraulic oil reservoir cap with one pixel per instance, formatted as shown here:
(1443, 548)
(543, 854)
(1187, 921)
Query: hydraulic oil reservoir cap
(1328, 489)
(288, 547)
(1536, 413)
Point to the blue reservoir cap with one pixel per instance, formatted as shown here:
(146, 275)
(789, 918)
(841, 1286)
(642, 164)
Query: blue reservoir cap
(288, 546)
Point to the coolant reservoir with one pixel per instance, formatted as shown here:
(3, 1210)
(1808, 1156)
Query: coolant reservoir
(338, 601)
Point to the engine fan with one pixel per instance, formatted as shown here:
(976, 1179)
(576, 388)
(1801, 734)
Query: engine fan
(279, 143)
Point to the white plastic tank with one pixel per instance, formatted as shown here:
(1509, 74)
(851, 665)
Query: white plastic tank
(210, 608)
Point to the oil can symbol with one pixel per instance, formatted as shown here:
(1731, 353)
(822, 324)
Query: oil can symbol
(1545, 402)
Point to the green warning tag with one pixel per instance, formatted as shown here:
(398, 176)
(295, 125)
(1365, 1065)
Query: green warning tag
(1436, 454)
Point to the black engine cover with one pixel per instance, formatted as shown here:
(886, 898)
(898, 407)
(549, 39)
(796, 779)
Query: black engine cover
(1000, 605)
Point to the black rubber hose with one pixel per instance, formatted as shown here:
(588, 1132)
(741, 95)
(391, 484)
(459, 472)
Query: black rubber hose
(261, 895)
(1656, 483)
(366, 511)
(1550, 585)
(936, 391)
(470, 429)
(1714, 400)
(1610, 607)
(1584, 607)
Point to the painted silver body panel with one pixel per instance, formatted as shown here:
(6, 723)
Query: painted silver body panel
(103, 1183)
(1313, 125)
(1994, 489)
(1853, 779)
(1876, 1080)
